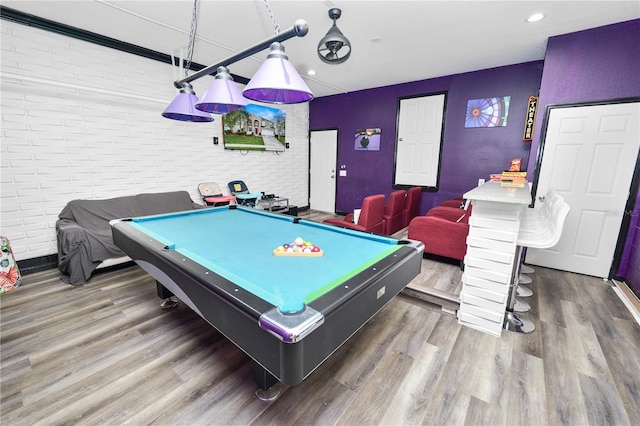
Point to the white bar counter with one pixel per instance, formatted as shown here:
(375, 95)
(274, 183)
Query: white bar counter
(490, 262)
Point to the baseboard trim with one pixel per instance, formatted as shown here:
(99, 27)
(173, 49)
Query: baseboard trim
(630, 300)
(38, 264)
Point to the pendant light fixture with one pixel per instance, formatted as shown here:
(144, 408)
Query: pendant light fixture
(276, 81)
(182, 107)
(334, 47)
(223, 95)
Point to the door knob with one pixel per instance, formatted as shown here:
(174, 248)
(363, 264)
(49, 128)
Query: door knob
(541, 198)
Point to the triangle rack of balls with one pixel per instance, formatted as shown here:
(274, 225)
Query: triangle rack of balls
(298, 247)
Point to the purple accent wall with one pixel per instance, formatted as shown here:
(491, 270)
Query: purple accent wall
(467, 154)
(599, 64)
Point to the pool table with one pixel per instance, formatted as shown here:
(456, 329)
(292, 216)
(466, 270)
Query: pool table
(288, 313)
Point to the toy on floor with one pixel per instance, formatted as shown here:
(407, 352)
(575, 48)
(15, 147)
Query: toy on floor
(298, 247)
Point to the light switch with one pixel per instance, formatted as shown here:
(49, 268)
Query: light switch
(343, 172)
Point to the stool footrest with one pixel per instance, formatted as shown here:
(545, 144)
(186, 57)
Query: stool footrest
(512, 322)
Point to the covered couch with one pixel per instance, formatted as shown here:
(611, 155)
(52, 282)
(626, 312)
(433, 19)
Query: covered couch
(443, 230)
(84, 234)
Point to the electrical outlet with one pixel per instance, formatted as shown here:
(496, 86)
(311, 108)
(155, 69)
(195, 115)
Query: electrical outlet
(215, 140)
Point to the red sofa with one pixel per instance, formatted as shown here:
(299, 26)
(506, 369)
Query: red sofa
(443, 230)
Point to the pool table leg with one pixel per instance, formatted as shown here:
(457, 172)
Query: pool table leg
(170, 300)
(269, 387)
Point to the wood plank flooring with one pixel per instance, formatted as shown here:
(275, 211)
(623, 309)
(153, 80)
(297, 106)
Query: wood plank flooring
(106, 354)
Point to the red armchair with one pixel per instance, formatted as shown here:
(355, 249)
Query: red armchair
(443, 231)
(371, 216)
(394, 212)
(411, 205)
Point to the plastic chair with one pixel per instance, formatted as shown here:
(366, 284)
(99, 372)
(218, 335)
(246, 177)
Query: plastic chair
(212, 194)
(242, 194)
(370, 219)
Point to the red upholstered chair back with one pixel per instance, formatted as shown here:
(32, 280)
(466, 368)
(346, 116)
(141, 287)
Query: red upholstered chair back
(412, 204)
(394, 212)
(372, 214)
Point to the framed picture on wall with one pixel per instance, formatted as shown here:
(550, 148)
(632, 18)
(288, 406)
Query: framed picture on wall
(255, 128)
(487, 112)
(367, 140)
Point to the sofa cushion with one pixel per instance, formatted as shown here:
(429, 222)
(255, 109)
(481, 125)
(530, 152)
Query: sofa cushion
(452, 214)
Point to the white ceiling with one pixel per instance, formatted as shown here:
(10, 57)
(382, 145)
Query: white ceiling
(420, 39)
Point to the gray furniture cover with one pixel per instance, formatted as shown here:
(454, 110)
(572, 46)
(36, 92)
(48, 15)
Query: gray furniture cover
(84, 234)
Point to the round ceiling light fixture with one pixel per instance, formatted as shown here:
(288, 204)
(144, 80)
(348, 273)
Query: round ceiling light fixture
(334, 47)
(535, 17)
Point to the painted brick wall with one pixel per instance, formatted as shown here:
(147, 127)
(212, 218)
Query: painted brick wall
(83, 121)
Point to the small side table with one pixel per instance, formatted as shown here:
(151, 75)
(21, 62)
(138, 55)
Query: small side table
(274, 204)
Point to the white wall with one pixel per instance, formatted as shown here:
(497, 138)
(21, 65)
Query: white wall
(64, 139)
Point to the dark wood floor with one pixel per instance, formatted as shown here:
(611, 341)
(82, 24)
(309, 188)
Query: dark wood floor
(106, 354)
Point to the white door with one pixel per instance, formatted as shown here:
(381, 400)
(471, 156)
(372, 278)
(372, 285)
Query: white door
(419, 141)
(589, 158)
(324, 146)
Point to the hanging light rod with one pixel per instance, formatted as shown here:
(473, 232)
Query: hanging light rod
(299, 29)
(276, 82)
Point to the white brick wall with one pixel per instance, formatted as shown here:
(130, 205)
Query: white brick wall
(63, 140)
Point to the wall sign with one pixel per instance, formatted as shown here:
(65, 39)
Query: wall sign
(530, 119)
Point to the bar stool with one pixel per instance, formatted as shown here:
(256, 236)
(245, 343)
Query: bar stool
(534, 218)
(539, 228)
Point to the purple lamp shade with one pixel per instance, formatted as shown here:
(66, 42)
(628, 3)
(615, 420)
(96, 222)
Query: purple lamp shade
(223, 95)
(277, 81)
(183, 108)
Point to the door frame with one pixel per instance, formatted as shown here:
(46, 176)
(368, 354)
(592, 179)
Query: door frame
(399, 100)
(633, 190)
(335, 184)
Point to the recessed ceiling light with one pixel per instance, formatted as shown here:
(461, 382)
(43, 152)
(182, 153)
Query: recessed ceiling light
(535, 17)
(377, 39)
(311, 72)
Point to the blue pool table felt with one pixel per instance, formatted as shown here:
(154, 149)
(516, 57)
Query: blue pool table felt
(238, 244)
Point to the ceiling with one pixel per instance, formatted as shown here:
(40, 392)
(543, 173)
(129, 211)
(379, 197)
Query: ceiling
(392, 41)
